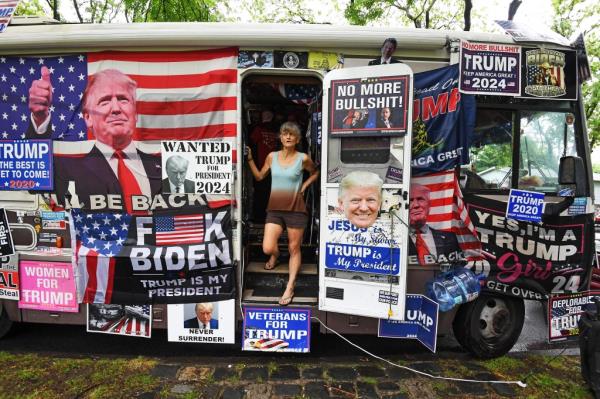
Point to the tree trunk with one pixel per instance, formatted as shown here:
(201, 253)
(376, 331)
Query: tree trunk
(467, 15)
(512, 8)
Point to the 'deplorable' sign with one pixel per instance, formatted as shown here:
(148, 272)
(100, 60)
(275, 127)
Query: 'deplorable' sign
(488, 68)
(26, 165)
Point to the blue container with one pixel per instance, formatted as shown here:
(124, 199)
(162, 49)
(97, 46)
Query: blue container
(454, 287)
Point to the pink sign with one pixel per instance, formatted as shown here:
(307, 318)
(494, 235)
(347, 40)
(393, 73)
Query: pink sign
(47, 286)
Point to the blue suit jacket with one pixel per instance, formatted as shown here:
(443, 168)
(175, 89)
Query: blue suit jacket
(193, 323)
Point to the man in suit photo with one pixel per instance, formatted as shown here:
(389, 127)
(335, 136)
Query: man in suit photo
(114, 165)
(387, 50)
(203, 317)
(430, 245)
(384, 120)
(176, 182)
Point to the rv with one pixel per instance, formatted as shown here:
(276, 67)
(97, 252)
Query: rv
(485, 134)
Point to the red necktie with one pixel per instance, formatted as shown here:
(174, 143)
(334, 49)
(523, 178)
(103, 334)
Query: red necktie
(129, 184)
(422, 249)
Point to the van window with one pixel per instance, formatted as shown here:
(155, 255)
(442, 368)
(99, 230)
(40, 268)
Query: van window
(365, 149)
(491, 150)
(542, 145)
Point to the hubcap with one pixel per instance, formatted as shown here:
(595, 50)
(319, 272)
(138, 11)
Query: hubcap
(494, 318)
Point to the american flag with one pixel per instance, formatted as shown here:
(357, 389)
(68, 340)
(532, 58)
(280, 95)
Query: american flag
(184, 95)
(129, 324)
(269, 344)
(180, 229)
(447, 210)
(99, 239)
(535, 76)
(7, 8)
(299, 93)
(68, 75)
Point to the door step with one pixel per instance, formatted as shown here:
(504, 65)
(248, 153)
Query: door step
(282, 268)
(271, 297)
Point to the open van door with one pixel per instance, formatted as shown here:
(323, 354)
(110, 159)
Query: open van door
(365, 177)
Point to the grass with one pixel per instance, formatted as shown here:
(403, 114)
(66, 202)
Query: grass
(38, 376)
(33, 376)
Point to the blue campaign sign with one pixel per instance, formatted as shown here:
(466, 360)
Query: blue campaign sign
(26, 165)
(525, 205)
(276, 330)
(360, 258)
(420, 322)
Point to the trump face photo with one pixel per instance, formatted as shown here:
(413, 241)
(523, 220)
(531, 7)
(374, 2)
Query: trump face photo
(359, 197)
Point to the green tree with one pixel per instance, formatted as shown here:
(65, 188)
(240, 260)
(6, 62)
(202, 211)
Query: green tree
(172, 10)
(572, 16)
(429, 14)
(30, 7)
(291, 11)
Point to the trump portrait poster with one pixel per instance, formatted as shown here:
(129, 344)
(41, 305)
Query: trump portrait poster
(202, 322)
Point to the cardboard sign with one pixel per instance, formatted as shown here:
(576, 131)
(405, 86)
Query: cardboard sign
(9, 277)
(202, 167)
(6, 241)
(369, 106)
(564, 312)
(26, 165)
(488, 68)
(255, 58)
(420, 323)
(525, 205)
(47, 286)
(206, 322)
(133, 321)
(550, 74)
(276, 330)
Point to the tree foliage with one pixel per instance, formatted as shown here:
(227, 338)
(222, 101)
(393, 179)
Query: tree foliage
(291, 11)
(574, 16)
(31, 7)
(429, 14)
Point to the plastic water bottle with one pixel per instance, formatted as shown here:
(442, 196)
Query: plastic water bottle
(453, 288)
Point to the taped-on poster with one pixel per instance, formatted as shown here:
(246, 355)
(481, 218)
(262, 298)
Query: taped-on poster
(550, 74)
(166, 258)
(490, 68)
(530, 260)
(443, 121)
(373, 106)
(101, 165)
(564, 312)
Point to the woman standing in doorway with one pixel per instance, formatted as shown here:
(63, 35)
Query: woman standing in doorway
(286, 208)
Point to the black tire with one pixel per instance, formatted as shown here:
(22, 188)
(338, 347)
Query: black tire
(490, 325)
(6, 323)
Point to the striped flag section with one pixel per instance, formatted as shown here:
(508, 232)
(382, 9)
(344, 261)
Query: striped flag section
(7, 8)
(180, 95)
(181, 229)
(128, 326)
(270, 344)
(447, 210)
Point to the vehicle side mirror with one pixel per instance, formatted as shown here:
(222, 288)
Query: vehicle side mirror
(572, 172)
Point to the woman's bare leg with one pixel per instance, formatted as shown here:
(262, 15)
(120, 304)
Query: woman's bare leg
(270, 241)
(294, 242)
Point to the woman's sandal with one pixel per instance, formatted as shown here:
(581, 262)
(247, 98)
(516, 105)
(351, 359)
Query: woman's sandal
(271, 266)
(284, 301)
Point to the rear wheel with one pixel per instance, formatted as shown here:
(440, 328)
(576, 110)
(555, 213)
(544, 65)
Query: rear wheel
(490, 325)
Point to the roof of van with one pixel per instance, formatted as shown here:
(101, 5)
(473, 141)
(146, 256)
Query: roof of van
(19, 38)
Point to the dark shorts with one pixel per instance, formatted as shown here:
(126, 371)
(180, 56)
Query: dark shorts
(297, 220)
